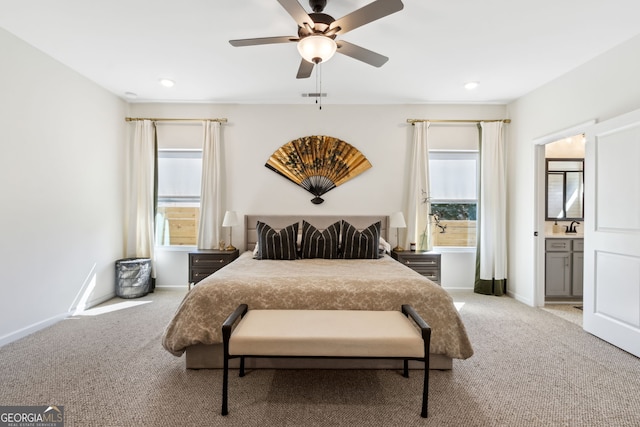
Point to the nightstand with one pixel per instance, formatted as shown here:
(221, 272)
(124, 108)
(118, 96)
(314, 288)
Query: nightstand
(425, 263)
(204, 262)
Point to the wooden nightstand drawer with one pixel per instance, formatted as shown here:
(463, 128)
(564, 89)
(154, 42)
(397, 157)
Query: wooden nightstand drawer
(209, 260)
(203, 263)
(433, 275)
(420, 261)
(425, 263)
(195, 274)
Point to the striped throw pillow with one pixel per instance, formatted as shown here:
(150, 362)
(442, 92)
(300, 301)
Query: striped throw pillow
(274, 244)
(320, 244)
(360, 245)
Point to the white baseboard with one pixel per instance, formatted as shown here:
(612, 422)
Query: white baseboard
(457, 288)
(101, 299)
(38, 326)
(21, 333)
(517, 297)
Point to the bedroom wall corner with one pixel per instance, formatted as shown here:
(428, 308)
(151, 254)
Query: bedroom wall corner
(62, 139)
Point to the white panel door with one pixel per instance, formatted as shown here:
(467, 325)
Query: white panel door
(612, 232)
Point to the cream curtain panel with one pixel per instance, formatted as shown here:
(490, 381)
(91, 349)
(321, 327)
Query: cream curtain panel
(141, 188)
(491, 256)
(209, 232)
(418, 200)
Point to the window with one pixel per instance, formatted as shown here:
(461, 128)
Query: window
(565, 189)
(454, 197)
(178, 212)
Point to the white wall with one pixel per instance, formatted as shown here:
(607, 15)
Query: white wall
(60, 173)
(604, 87)
(381, 133)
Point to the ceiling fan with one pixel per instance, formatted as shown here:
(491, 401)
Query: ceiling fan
(317, 33)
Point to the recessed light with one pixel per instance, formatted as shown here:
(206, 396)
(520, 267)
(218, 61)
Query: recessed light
(167, 82)
(471, 85)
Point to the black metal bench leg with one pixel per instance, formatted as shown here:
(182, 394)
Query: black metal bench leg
(227, 326)
(241, 366)
(225, 385)
(425, 391)
(406, 368)
(425, 387)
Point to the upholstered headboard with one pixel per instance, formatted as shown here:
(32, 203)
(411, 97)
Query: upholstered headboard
(319, 221)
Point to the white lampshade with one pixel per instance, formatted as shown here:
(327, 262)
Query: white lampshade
(397, 220)
(230, 219)
(317, 48)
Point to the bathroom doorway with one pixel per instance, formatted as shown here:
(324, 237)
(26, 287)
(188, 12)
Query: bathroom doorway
(565, 144)
(564, 220)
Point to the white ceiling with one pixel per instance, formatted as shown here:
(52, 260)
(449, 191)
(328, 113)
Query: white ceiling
(510, 46)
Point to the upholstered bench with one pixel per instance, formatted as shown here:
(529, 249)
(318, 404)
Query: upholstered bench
(326, 334)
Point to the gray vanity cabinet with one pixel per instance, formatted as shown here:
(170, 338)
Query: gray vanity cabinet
(558, 274)
(564, 264)
(577, 261)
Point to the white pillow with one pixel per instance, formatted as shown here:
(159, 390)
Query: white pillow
(384, 245)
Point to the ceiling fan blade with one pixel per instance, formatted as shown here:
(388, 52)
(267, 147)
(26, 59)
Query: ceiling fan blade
(263, 40)
(361, 54)
(369, 13)
(305, 69)
(297, 12)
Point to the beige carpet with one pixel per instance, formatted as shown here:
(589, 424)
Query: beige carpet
(569, 312)
(531, 368)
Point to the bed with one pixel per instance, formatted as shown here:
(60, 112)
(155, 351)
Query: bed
(380, 283)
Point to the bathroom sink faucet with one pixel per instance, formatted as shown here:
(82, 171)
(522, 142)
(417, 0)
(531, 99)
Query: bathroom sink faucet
(572, 227)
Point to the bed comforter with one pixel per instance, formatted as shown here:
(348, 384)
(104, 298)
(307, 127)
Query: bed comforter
(314, 284)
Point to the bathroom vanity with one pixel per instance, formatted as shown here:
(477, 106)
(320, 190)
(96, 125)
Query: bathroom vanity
(564, 267)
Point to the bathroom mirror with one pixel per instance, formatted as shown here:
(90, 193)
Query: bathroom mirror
(565, 189)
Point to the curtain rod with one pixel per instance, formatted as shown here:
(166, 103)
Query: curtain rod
(133, 119)
(412, 121)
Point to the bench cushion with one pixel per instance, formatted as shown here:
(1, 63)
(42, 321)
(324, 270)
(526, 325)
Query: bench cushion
(336, 333)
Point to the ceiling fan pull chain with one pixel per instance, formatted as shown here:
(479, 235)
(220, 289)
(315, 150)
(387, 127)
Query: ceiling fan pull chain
(319, 85)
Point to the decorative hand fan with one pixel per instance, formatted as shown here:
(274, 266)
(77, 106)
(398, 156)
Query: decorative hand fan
(318, 163)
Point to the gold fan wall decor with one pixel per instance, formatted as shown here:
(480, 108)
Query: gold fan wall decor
(318, 163)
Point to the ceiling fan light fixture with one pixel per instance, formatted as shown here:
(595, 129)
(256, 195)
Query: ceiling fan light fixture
(317, 48)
